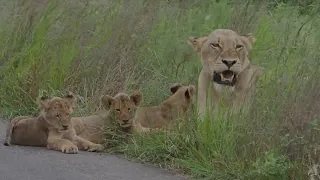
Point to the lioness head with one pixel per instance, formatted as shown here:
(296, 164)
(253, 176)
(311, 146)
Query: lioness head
(124, 106)
(56, 111)
(224, 54)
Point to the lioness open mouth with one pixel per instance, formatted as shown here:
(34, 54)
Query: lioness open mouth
(125, 124)
(225, 77)
(63, 130)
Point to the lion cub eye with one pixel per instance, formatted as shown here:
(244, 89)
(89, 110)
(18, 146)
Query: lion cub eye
(214, 45)
(129, 109)
(239, 46)
(58, 116)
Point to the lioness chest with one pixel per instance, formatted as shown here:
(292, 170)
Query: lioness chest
(226, 93)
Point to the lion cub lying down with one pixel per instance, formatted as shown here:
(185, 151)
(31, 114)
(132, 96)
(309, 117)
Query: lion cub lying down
(126, 111)
(156, 117)
(120, 108)
(53, 128)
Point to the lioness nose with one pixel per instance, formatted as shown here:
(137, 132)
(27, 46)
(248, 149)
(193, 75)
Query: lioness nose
(229, 63)
(65, 127)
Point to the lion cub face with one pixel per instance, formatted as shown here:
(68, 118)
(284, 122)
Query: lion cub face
(224, 54)
(123, 106)
(56, 111)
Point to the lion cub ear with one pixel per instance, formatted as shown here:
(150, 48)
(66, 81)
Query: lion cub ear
(107, 101)
(136, 98)
(174, 87)
(197, 43)
(43, 102)
(190, 92)
(72, 100)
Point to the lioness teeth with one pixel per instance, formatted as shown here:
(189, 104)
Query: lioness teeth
(223, 78)
(232, 76)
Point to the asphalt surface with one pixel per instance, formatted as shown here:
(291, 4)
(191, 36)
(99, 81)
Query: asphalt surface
(36, 163)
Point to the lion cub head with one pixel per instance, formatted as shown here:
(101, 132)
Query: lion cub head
(175, 106)
(180, 101)
(224, 54)
(183, 94)
(56, 111)
(124, 106)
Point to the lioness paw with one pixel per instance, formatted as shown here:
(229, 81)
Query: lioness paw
(96, 148)
(69, 149)
(7, 143)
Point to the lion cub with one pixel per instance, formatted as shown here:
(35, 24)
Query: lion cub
(178, 104)
(53, 128)
(120, 108)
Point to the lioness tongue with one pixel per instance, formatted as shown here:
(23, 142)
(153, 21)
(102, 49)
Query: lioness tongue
(227, 75)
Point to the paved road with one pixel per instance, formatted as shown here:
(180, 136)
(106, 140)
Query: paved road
(32, 163)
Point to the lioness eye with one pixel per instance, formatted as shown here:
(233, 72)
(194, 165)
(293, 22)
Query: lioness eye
(118, 110)
(214, 45)
(58, 116)
(239, 46)
(129, 109)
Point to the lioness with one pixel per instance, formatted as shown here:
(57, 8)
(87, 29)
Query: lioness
(178, 104)
(120, 108)
(53, 128)
(225, 62)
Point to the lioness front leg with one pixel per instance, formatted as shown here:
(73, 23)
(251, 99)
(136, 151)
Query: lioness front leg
(86, 145)
(55, 142)
(203, 84)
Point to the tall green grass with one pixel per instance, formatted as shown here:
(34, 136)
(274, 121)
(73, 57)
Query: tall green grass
(97, 47)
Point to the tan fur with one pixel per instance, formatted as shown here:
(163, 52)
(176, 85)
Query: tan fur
(218, 50)
(120, 108)
(53, 128)
(162, 116)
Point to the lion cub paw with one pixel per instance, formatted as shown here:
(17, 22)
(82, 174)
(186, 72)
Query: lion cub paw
(96, 148)
(69, 149)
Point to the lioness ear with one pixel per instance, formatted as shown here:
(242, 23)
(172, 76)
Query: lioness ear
(43, 102)
(197, 43)
(174, 87)
(248, 40)
(251, 38)
(107, 101)
(71, 100)
(136, 97)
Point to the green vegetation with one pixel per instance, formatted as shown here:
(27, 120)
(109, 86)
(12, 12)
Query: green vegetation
(97, 47)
